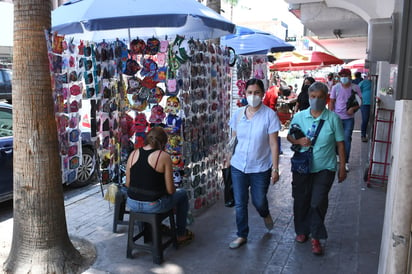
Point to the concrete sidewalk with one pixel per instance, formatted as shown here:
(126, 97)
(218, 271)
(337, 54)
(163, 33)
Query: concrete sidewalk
(354, 223)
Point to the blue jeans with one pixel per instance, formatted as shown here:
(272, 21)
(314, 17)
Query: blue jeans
(258, 184)
(365, 111)
(177, 200)
(348, 125)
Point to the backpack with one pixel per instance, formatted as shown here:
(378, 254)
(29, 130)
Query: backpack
(354, 99)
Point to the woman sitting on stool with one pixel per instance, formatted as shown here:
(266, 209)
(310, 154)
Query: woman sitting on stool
(149, 179)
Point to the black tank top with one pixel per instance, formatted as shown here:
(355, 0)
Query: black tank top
(146, 184)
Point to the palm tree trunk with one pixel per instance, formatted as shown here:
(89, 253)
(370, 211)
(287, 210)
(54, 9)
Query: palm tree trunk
(40, 241)
(216, 6)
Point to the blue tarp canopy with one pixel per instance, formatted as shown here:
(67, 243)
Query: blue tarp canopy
(109, 19)
(247, 41)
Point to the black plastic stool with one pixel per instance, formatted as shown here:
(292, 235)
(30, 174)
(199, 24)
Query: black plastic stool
(119, 210)
(151, 231)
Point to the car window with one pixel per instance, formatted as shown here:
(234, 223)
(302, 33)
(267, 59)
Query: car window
(1, 77)
(7, 75)
(6, 123)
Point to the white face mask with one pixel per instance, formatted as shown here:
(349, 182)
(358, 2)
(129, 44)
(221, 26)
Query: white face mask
(254, 100)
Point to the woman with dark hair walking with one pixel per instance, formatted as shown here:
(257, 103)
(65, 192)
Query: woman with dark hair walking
(253, 165)
(302, 102)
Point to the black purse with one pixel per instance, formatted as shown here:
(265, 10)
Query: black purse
(301, 162)
(352, 101)
(228, 190)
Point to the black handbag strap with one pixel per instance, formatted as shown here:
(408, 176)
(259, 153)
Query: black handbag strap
(318, 128)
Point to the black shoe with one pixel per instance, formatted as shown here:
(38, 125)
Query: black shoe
(230, 204)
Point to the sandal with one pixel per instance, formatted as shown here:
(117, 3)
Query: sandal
(188, 238)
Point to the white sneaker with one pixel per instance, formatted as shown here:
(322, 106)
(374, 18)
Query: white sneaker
(237, 243)
(347, 167)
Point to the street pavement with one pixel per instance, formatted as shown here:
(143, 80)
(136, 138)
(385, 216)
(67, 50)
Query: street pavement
(354, 222)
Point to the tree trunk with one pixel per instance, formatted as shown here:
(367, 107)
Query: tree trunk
(57, 3)
(40, 241)
(216, 6)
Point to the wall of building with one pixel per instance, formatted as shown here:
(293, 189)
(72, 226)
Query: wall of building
(366, 9)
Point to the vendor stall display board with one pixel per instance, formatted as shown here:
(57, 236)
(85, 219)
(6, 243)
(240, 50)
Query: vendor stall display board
(182, 85)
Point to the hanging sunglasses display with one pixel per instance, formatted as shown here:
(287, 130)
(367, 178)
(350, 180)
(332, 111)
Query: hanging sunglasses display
(182, 85)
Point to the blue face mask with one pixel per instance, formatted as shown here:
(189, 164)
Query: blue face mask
(317, 104)
(344, 80)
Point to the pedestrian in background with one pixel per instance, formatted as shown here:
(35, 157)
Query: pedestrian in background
(366, 88)
(253, 165)
(271, 97)
(302, 101)
(330, 81)
(149, 182)
(310, 191)
(338, 102)
(358, 78)
(271, 100)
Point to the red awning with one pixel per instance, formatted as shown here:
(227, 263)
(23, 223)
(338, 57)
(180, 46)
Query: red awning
(356, 64)
(304, 61)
